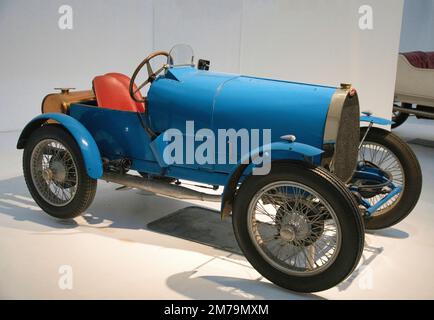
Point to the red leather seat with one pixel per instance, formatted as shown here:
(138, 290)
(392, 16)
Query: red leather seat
(420, 59)
(112, 92)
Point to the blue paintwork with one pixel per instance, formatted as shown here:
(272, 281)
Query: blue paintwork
(219, 101)
(158, 145)
(376, 120)
(213, 101)
(85, 141)
(371, 209)
(372, 174)
(119, 134)
(157, 148)
(376, 176)
(303, 149)
(289, 150)
(279, 150)
(223, 101)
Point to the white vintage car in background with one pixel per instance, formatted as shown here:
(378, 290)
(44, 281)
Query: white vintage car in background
(414, 88)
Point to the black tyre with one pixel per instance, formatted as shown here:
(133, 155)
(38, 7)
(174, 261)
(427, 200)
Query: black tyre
(55, 173)
(389, 152)
(299, 227)
(399, 117)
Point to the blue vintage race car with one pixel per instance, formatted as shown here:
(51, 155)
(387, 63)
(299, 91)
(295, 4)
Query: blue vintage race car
(300, 178)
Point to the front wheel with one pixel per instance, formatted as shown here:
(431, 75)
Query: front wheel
(299, 227)
(390, 153)
(55, 173)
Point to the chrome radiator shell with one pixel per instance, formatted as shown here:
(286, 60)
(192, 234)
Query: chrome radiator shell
(342, 133)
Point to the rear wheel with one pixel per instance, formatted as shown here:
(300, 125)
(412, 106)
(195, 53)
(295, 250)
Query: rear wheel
(55, 173)
(391, 154)
(299, 227)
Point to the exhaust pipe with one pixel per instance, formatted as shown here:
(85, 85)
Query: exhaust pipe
(159, 187)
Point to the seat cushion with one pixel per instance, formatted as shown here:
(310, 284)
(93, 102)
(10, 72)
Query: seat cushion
(420, 59)
(112, 91)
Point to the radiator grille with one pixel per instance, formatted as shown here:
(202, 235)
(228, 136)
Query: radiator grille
(347, 140)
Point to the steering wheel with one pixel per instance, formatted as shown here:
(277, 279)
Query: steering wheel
(151, 74)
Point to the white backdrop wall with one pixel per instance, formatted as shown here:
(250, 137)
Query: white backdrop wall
(417, 31)
(211, 27)
(315, 41)
(323, 44)
(37, 56)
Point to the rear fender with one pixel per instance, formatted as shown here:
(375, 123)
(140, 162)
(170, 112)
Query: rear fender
(85, 141)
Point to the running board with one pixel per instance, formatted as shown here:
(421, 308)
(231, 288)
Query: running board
(159, 187)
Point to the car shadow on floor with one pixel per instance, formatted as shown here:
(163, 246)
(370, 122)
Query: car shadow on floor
(220, 287)
(16, 202)
(121, 215)
(124, 215)
(389, 233)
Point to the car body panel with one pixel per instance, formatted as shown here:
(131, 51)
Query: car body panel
(214, 101)
(119, 134)
(377, 120)
(183, 91)
(287, 150)
(223, 101)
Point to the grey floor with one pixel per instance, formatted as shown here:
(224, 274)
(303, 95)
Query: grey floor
(112, 253)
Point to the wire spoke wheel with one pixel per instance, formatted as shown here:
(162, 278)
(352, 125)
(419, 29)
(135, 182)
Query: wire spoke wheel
(294, 228)
(298, 226)
(384, 150)
(386, 160)
(54, 172)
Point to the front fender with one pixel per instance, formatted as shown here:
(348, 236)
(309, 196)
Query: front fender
(293, 148)
(85, 141)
